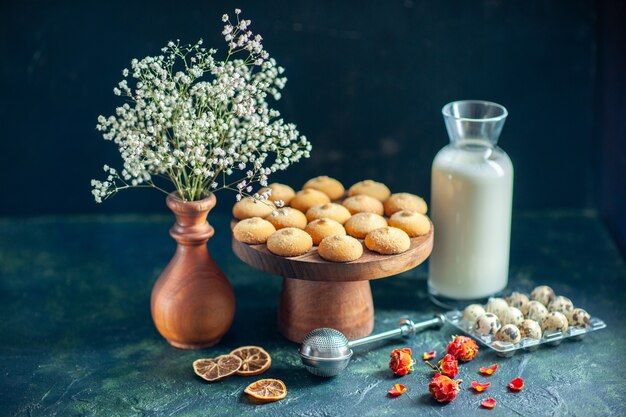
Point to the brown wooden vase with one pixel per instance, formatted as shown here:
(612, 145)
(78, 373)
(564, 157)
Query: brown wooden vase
(192, 303)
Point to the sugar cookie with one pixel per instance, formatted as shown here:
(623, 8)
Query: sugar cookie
(413, 223)
(361, 224)
(340, 248)
(287, 217)
(305, 199)
(280, 192)
(388, 241)
(329, 186)
(321, 228)
(249, 207)
(363, 204)
(253, 231)
(333, 211)
(378, 190)
(405, 201)
(289, 241)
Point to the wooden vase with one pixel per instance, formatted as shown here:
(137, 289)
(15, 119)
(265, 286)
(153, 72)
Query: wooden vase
(192, 302)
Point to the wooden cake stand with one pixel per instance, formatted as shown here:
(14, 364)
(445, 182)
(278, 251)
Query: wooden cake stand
(317, 293)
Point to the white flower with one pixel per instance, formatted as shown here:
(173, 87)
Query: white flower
(168, 128)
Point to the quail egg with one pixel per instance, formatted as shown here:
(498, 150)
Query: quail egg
(561, 304)
(472, 312)
(554, 322)
(543, 294)
(512, 315)
(509, 333)
(536, 311)
(496, 306)
(531, 329)
(517, 300)
(487, 324)
(578, 317)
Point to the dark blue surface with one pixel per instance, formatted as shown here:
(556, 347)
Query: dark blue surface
(77, 337)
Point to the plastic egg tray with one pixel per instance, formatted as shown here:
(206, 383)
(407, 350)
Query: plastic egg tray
(508, 349)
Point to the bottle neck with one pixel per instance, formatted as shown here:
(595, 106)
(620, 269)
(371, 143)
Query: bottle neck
(478, 145)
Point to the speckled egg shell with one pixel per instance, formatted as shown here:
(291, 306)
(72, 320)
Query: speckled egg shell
(543, 294)
(518, 300)
(509, 333)
(554, 322)
(531, 329)
(578, 317)
(487, 324)
(472, 312)
(496, 306)
(513, 316)
(536, 311)
(561, 304)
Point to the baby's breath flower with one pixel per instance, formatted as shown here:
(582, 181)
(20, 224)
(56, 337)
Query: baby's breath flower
(194, 119)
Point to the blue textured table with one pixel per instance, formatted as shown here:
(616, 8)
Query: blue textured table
(77, 337)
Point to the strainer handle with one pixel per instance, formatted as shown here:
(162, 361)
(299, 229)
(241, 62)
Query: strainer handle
(408, 328)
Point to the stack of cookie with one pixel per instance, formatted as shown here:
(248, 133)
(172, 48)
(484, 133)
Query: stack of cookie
(321, 215)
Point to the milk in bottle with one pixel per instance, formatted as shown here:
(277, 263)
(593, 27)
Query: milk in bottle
(471, 196)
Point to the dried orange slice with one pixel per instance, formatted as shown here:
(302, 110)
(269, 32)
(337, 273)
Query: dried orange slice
(255, 360)
(218, 368)
(267, 390)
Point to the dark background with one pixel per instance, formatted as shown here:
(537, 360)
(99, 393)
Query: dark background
(367, 80)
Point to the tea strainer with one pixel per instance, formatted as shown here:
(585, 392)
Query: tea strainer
(326, 352)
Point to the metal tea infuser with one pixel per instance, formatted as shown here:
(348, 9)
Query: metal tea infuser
(326, 352)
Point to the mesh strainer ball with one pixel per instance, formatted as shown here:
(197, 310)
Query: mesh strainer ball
(325, 352)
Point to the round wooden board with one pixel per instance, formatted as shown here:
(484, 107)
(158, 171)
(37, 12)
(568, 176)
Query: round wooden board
(312, 267)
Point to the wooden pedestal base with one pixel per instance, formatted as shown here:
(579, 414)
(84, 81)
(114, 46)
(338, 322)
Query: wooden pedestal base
(307, 305)
(317, 293)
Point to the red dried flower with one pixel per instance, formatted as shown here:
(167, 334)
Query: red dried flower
(490, 370)
(443, 388)
(397, 390)
(478, 387)
(489, 403)
(401, 362)
(463, 348)
(429, 355)
(517, 384)
(449, 366)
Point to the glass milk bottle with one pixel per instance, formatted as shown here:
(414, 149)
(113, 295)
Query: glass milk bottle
(471, 196)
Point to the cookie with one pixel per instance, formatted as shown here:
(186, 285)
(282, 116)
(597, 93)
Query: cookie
(321, 228)
(305, 199)
(388, 241)
(361, 224)
(289, 241)
(287, 217)
(253, 231)
(413, 223)
(363, 204)
(405, 201)
(249, 207)
(340, 248)
(378, 190)
(329, 186)
(280, 192)
(333, 211)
